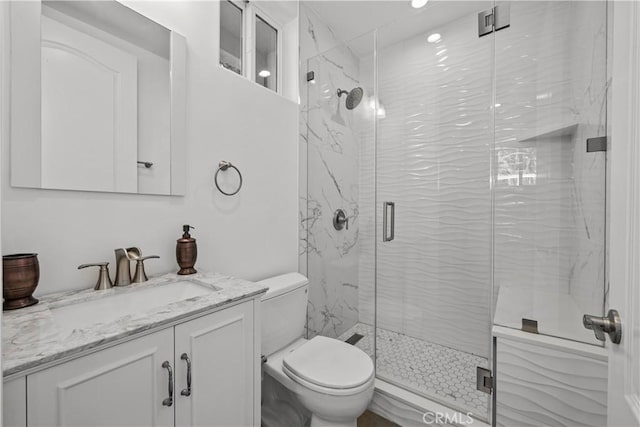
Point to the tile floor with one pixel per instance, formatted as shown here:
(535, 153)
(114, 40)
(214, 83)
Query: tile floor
(431, 370)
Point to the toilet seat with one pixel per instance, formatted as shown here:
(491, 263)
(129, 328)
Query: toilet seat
(329, 366)
(326, 390)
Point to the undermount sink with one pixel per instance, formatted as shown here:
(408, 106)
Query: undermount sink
(114, 307)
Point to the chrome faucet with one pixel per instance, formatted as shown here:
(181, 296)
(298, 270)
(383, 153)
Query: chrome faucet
(123, 265)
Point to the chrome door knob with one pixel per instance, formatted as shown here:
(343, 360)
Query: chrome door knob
(610, 325)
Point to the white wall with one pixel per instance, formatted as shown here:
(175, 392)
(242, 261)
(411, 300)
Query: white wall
(290, 60)
(252, 235)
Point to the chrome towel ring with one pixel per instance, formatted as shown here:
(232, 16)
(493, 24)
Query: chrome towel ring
(223, 166)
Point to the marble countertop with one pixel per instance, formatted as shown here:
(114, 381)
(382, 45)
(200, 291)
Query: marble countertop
(31, 336)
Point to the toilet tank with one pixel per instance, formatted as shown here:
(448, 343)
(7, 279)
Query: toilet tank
(284, 311)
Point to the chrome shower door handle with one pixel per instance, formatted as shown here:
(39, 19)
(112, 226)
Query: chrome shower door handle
(187, 391)
(169, 400)
(388, 224)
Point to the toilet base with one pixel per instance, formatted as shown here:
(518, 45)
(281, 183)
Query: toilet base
(280, 407)
(319, 422)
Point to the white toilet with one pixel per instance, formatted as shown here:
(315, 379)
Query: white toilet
(332, 379)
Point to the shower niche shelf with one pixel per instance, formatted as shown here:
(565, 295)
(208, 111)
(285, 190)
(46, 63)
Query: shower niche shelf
(560, 132)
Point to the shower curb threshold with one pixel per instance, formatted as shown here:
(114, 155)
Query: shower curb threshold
(419, 404)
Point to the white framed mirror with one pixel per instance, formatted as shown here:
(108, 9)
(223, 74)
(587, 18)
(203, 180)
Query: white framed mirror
(97, 99)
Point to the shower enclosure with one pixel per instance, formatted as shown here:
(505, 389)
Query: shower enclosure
(465, 191)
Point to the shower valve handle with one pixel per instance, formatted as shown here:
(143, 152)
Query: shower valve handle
(340, 220)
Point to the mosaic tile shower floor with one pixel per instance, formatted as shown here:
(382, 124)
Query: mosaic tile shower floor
(431, 370)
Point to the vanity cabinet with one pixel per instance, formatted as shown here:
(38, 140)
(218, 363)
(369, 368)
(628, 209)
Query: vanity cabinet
(128, 384)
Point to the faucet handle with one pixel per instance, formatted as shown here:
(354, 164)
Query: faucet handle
(140, 275)
(104, 281)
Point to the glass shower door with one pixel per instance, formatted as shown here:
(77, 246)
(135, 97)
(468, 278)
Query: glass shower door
(434, 205)
(550, 209)
(550, 174)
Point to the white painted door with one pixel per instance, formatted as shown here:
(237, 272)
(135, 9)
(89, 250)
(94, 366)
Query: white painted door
(624, 287)
(124, 385)
(220, 349)
(89, 111)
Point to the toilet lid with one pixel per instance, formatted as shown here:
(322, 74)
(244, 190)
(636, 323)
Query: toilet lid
(330, 363)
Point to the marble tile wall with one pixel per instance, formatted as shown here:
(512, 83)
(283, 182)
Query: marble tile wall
(329, 178)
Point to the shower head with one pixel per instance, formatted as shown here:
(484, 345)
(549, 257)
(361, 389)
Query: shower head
(353, 97)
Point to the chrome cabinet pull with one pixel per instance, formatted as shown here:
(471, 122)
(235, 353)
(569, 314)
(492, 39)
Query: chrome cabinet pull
(187, 391)
(388, 209)
(169, 400)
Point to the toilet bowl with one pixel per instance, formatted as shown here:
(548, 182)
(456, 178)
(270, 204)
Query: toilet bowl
(330, 403)
(330, 378)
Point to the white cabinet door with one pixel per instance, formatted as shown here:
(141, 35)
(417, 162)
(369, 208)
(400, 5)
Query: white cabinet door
(14, 403)
(120, 386)
(220, 347)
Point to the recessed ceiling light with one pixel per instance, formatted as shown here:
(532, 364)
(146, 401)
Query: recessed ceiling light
(434, 38)
(264, 73)
(417, 4)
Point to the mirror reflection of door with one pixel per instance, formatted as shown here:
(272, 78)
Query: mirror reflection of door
(89, 112)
